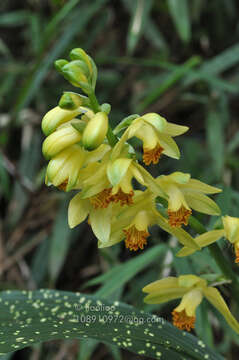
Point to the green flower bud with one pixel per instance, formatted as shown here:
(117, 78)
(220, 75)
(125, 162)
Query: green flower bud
(78, 74)
(80, 54)
(55, 117)
(106, 108)
(71, 101)
(95, 131)
(60, 63)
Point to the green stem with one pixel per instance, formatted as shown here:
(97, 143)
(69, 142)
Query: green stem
(111, 137)
(94, 102)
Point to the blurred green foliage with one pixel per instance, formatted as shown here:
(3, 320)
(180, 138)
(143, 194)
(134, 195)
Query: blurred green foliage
(179, 58)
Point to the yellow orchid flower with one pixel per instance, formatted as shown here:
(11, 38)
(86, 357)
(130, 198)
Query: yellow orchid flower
(191, 289)
(63, 170)
(231, 228)
(132, 223)
(120, 173)
(185, 194)
(156, 134)
(99, 215)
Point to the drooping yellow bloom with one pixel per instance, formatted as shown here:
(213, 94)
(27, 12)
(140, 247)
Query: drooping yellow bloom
(64, 169)
(120, 174)
(185, 194)
(132, 224)
(231, 227)
(121, 171)
(99, 210)
(157, 136)
(191, 289)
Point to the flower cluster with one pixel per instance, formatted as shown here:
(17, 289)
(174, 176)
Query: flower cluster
(87, 156)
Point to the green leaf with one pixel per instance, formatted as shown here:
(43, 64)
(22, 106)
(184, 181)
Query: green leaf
(180, 15)
(139, 18)
(14, 18)
(78, 22)
(120, 274)
(215, 140)
(59, 241)
(173, 77)
(28, 317)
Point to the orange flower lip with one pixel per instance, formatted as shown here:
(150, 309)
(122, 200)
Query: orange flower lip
(122, 197)
(153, 155)
(63, 185)
(102, 199)
(179, 217)
(182, 321)
(236, 254)
(135, 239)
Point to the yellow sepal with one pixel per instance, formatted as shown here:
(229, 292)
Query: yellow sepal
(215, 298)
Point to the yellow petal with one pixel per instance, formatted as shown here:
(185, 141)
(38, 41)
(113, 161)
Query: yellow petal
(114, 238)
(157, 121)
(215, 298)
(178, 177)
(209, 237)
(231, 226)
(165, 295)
(201, 203)
(150, 182)
(197, 185)
(117, 169)
(98, 153)
(142, 220)
(182, 236)
(190, 302)
(170, 147)
(202, 240)
(190, 280)
(100, 223)
(174, 129)
(147, 134)
(176, 199)
(185, 251)
(78, 210)
(163, 284)
(120, 145)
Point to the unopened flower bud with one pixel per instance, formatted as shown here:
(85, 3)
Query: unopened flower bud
(60, 63)
(77, 73)
(71, 101)
(95, 131)
(59, 140)
(80, 54)
(55, 117)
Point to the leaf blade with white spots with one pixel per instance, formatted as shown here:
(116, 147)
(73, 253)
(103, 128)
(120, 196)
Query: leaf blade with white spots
(28, 317)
